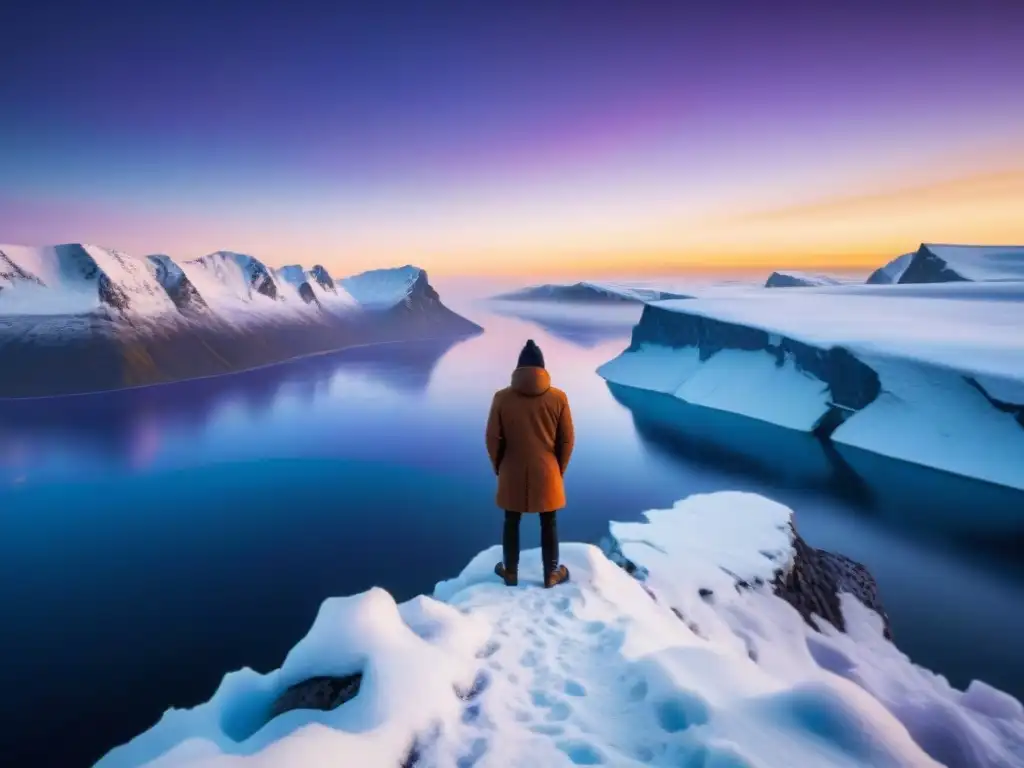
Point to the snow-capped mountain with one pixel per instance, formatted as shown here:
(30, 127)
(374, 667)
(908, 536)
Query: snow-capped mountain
(940, 263)
(891, 272)
(77, 278)
(79, 318)
(779, 279)
(587, 291)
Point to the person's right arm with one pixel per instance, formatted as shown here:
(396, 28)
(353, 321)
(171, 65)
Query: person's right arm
(565, 438)
(495, 435)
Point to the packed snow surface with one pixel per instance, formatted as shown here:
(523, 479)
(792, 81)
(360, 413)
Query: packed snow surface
(383, 288)
(949, 359)
(596, 672)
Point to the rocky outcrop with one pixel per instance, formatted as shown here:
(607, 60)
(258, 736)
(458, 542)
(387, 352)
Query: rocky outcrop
(307, 295)
(815, 579)
(811, 581)
(949, 263)
(323, 277)
(323, 693)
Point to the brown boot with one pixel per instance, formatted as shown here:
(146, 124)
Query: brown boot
(511, 578)
(556, 577)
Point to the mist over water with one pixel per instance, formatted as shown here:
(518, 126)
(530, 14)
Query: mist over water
(152, 540)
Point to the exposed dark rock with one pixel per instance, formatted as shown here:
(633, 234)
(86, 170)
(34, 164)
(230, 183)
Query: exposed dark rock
(181, 290)
(323, 693)
(11, 271)
(323, 277)
(307, 295)
(926, 267)
(264, 284)
(111, 295)
(811, 584)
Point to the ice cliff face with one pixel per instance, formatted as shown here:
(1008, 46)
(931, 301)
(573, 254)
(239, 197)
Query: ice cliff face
(933, 377)
(848, 384)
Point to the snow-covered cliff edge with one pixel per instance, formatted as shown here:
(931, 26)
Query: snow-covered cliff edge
(689, 658)
(933, 375)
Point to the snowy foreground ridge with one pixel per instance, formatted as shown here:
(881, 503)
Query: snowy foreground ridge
(671, 666)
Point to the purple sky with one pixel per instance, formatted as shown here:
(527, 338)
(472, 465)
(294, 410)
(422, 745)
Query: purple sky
(455, 133)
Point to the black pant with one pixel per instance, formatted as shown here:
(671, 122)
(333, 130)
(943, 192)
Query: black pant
(548, 540)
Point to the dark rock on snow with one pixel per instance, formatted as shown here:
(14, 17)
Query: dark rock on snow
(323, 693)
(812, 583)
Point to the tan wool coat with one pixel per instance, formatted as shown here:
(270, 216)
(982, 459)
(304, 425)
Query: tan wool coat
(530, 438)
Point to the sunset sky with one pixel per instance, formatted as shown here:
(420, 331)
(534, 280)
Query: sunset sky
(515, 138)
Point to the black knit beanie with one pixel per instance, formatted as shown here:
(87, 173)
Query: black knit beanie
(531, 356)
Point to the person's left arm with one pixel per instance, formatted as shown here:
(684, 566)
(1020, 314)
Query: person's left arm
(495, 435)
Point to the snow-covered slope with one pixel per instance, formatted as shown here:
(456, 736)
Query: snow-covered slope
(797, 279)
(939, 263)
(928, 374)
(76, 278)
(588, 291)
(173, 279)
(676, 666)
(315, 286)
(78, 318)
(891, 272)
(385, 288)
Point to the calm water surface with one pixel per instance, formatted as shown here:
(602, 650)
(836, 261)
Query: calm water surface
(152, 540)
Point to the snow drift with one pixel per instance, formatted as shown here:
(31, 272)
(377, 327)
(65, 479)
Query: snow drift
(928, 374)
(79, 318)
(936, 263)
(589, 292)
(690, 661)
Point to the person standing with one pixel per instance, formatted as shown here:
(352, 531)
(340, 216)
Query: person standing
(530, 439)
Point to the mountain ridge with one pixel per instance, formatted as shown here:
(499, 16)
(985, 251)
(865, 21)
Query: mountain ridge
(80, 318)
